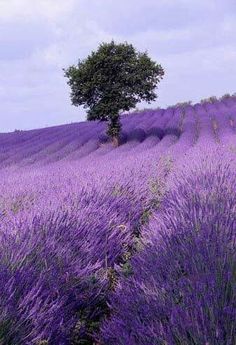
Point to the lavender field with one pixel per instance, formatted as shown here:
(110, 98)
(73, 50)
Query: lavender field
(130, 245)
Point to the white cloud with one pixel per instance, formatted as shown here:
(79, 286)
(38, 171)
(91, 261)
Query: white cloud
(194, 41)
(11, 10)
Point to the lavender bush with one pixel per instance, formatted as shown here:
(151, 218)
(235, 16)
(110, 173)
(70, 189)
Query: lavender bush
(182, 288)
(130, 238)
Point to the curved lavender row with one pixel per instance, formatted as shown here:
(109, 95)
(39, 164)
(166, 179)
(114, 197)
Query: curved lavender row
(229, 102)
(57, 149)
(221, 106)
(15, 146)
(23, 139)
(173, 125)
(9, 139)
(184, 123)
(223, 127)
(41, 140)
(199, 108)
(139, 137)
(63, 146)
(54, 256)
(206, 131)
(87, 205)
(84, 142)
(181, 289)
(104, 251)
(149, 142)
(210, 107)
(231, 113)
(49, 181)
(19, 152)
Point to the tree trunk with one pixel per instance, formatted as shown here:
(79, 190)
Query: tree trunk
(115, 141)
(113, 131)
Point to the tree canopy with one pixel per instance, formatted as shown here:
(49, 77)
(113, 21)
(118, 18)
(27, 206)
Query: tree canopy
(111, 80)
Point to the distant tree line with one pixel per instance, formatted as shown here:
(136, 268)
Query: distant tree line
(213, 99)
(210, 99)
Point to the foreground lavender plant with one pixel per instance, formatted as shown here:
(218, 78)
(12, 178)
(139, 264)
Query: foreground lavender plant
(182, 290)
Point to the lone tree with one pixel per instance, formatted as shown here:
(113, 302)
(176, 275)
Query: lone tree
(111, 80)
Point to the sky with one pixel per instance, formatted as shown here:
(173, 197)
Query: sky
(194, 41)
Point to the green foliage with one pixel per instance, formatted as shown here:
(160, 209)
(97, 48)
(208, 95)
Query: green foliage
(87, 326)
(5, 327)
(183, 104)
(127, 269)
(43, 342)
(225, 96)
(111, 80)
(114, 127)
(211, 99)
(180, 104)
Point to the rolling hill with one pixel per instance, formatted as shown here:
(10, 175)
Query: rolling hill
(127, 245)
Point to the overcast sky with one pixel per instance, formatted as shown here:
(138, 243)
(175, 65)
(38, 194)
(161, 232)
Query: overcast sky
(194, 40)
